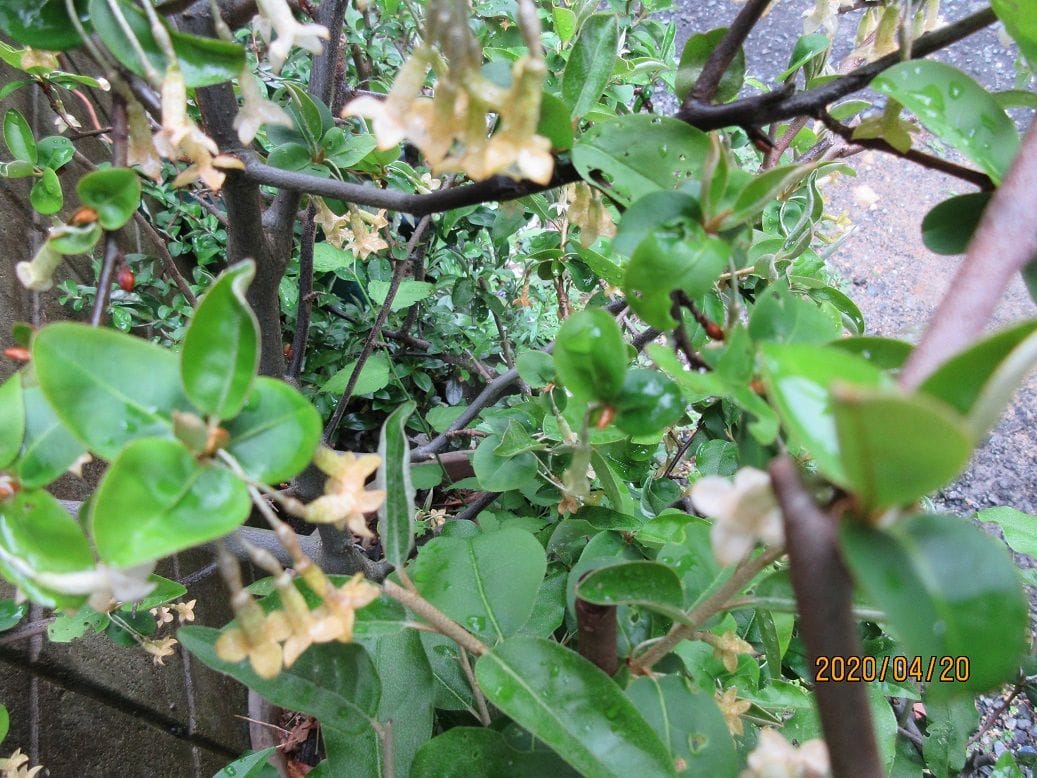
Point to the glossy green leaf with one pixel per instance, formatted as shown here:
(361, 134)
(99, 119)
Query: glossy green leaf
(66, 239)
(17, 168)
(48, 449)
(410, 292)
(107, 387)
(536, 368)
(798, 379)
(38, 535)
(68, 627)
(12, 419)
(1020, 20)
(165, 591)
(807, 48)
(956, 109)
(396, 514)
(113, 192)
(11, 613)
(251, 765)
(349, 151)
(204, 61)
(276, 433)
(564, 23)
(55, 151)
(947, 588)
(948, 228)
(290, 156)
(463, 752)
(897, 448)
(666, 261)
(43, 25)
(647, 403)
(555, 121)
(648, 584)
(220, 355)
(689, 722)
(782, 316)
(590, 63)
(5, 722)
(640, 154)
(998, 391)
(764, 189)
(18, 137)
(487, 583)
(498, 473)
(1020, 529)
(336, 684)
(571, 705)
(884, 353)
(328, 259)
(651, 212)
(950, 723)
(374, 375)
(45, 196)
(156, 499)
(590, 356)
(694, 56)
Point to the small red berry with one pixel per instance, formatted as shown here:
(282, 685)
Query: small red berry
(126, 279)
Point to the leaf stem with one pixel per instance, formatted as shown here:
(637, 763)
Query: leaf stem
(435, 617)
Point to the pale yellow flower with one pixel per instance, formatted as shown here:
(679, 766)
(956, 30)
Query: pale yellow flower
(185, 611)
(38, 274)
(257, 637)
(275, 16)
(159, 649)
(743, 511)
(163, 615)
(256, 109)
(732, 708)
(728, 647)
(140, 149)
(775, 757)
(345, 499)
(392, 119)
(337, 615)
(180, 137)
(16, 766)
(588, 212)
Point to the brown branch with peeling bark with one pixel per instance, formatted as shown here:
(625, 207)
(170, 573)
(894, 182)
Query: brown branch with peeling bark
(824, 593)
(1003, 244)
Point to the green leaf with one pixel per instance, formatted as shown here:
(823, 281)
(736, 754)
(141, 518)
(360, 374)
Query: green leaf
(798, 379)
(463, 752)
(571, 705)
(335, 683)
(55, 151)
(276, 433)
(373, 376)
(647, 403)
(221, 348)
(113, 192)
(947, 588)
(66, 239)
(651, 212)
(1020, 529)
(689, 722)
(38, 533)
(65, 628)
(950, 723)
(12, 419)
(204, 61)
(895, 448)
(157, 499)
(665, 261)
(108, 388)
(48, 449)
(555, 123)
(590, 356)
(883, 353)
(1020, 20)
(45, 196)
(11, 613)
(648, 584)
(948, 228)
(764, 189)
(487, 583)
(345, 152)
(409, 293)
(18, 137)
(328, 259)
(782, 316)
(980, 381)
(17, 168)
(640, 154)
(5, 722)
(564, 23)
(249, 766)
(396, 514)
(590, 64)
(806, 48)
(956, 109)
(43, 25)
(290, 156)
(693, 59)
(536, 368)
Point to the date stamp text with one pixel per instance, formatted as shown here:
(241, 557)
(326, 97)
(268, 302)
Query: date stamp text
(899, 669)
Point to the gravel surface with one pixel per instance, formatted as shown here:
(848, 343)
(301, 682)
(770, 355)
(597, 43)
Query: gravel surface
(896, 281)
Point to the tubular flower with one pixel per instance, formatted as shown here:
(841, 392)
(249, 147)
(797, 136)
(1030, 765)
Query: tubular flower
(744, 511)
(256, 109)
(305, 629)
(775, 757)
(345, 499)
(140, 149)
(732, 708)
(392, 119)
(336, 615)
(180, 137)
(356, 230)
(38, 274)
(159, 649)
(275, 16)
(588, 213)
(257, 637)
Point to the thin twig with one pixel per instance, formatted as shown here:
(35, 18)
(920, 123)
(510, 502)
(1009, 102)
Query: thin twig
(305, 305)
(112, 254)
(720, 58)
(477, 506)
(435, 617)
(29, 630)
(477, 695)
(995, 714)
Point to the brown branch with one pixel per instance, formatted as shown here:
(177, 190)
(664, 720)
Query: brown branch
(31, 629)
(596, 628)
(436, 618)
(376, 327)
(824, 593)
(969, 175)
(305, 305)
(720, 58)
(477, 506)
(1003, 244)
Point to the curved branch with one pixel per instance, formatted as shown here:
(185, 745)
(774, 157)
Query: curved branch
(705, 88)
